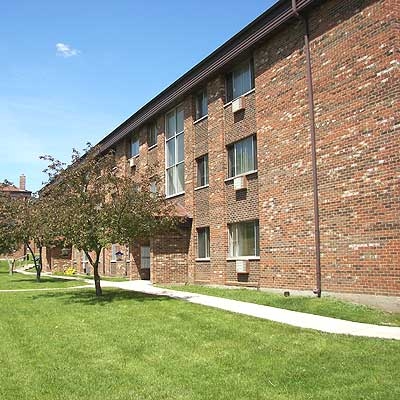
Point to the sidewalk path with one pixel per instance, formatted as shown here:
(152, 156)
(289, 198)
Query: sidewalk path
(294, 318)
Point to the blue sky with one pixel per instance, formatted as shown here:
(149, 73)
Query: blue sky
(71, 71)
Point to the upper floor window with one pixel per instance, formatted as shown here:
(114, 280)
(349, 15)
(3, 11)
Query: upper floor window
(202, 171)
(242, 157)
(244, 239)
(153, 187)
(240, 80)
(135, 145)
(203, 242)
(201, 104)
(174, 151)
(152, 135)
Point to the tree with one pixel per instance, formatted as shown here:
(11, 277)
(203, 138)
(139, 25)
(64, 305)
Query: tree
(97, 204)
(39, 228)
(10, 238)
(28, 222)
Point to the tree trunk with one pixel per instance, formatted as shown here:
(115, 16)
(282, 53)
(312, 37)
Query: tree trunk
(96, 276)
(11, 265)
(36, 262)
(40, 265)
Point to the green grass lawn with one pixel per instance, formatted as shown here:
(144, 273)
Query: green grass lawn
(21, 281)
(70, 345)
(326, 306)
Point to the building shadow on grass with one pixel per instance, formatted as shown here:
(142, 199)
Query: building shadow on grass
(88, 296)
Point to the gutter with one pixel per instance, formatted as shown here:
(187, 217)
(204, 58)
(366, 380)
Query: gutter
(311, 108)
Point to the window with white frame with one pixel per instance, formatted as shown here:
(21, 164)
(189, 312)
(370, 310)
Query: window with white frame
(134, 145)
(242, 157)
(152, 134)
(202, 171)
(203, 242)
(174, 151)
(201, 104)
(244, 239)
(240, 80)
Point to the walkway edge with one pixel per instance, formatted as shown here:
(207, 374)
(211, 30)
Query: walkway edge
(294, 318)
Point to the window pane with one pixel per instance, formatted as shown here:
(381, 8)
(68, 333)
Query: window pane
(201, 104)
(171, 126)
(244, 239)
(229, 87)
(180, 171)
(179, 120)
(206, 170)
(134, 146)
(152, 135)
(203, 243)
(231, 162)
(180, 147)
(170, 153)
(170, 181)
(200, 169)
(205, 104)
(240, 81)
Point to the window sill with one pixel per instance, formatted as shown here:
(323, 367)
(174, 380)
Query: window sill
(202, 259)
(133, 157)
(242, 95)
(200, 119)
(201, 187)
(254, 171)
(170, 196)
(245, 258)
(153, 146)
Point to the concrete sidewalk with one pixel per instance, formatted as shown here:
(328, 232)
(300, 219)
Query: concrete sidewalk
(294, 318)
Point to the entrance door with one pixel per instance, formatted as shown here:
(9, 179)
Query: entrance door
(145, 262)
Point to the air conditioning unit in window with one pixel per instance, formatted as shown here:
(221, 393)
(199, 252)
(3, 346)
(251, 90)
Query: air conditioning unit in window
(238, 104)
(132, 162)
(240, 183)
(242, 267)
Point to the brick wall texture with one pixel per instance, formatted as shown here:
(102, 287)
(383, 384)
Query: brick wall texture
(355, 69)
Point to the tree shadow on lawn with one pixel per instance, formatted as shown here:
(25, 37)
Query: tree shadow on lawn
(88, 296)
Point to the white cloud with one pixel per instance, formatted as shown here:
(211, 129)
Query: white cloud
(65, 50)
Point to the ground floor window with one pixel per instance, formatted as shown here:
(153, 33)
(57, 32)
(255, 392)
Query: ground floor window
(244, 239)
(203, 242)
(145, 257)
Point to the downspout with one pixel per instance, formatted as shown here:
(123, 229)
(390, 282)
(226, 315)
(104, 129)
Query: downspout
(311, 108)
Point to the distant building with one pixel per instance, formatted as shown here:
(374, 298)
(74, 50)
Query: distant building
(17, 192)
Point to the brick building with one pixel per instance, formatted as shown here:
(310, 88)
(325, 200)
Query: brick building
(19, 192)
(282, 149)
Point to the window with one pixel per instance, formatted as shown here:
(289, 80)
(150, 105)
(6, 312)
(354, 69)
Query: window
(153, 187)
(242, 157)
(174, 148)
(135, 145)
(152, 135)
(203, 242)
(145, 257)
(244, 239)
(201, 104)
(239, 81)
(114, 252)
(202, 171)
